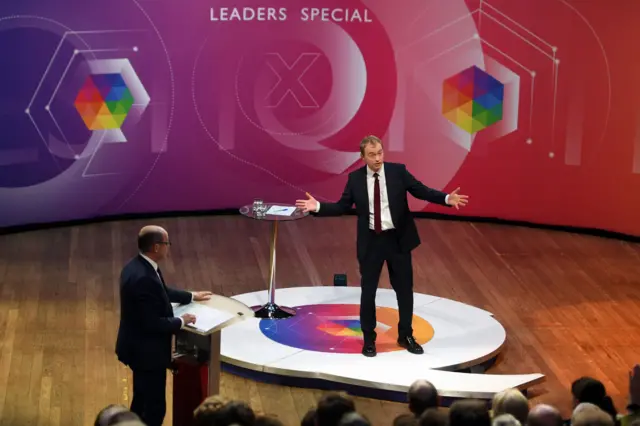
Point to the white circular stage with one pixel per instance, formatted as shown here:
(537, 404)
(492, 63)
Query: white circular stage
(324, 341)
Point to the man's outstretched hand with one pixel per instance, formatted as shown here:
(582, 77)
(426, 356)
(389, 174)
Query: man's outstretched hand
(308, 205)
(456, 200)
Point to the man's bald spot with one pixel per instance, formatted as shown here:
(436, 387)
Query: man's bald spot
(421, 385)
(152, 229)
(544, 415)
(105, 415)
(585, 407)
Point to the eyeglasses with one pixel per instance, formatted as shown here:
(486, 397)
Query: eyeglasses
(165, 242)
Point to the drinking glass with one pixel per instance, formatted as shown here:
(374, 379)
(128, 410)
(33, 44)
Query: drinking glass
(257, 205)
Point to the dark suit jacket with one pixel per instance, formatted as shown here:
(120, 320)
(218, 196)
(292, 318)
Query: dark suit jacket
(147, 323)
(399, 182)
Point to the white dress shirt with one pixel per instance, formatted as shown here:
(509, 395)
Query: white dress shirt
(152, 263)
(155, 268)
(385, 211)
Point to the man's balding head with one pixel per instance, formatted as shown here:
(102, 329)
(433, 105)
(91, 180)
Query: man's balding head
(544, 415)
(114, 414)
(153, 241)
(422, 395)
(152, 229)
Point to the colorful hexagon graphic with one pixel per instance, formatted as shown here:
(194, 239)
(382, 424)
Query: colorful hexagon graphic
(472, 99)
(104, 101)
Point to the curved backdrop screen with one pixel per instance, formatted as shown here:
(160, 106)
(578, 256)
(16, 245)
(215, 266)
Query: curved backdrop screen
(530, 106)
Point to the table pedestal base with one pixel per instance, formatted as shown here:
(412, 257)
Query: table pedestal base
(273, 311)
(270, 310)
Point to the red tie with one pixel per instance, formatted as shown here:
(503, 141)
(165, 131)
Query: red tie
(377, 221)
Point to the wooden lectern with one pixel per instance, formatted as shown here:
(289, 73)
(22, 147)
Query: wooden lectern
(196, 360)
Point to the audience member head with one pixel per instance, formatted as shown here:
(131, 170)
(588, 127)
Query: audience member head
(469, 412)
(309, 419)
(588, 389)
(405, 419)
(130, 423)
(113, 414)
(505, 419)
(218, 411)
(544, 415)
(422, 395)
(331, 407)
(433, 417)
(123, 416)
(584, 407)
(267, 420)
(153, 242)
(591, 416)
(511, 401)
(354, 419)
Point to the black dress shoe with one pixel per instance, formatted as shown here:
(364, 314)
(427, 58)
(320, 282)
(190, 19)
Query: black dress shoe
(369, 349)
(410, 344)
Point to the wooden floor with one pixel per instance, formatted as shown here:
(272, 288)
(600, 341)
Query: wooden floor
(570, 304)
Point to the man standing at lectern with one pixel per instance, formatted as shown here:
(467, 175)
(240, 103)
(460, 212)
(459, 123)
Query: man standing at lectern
(386, 232)
(147, 324)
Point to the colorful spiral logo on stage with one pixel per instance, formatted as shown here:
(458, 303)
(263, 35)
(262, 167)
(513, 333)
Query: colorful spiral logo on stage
(336, 328)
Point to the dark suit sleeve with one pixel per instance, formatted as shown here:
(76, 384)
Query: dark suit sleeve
(342, 206)
(145, 296)
(178, 296)
(421, 191)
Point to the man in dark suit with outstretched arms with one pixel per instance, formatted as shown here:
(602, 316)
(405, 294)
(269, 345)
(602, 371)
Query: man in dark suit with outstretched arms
(147, 324)
(386, 232)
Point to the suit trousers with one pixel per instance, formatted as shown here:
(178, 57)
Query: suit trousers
(385, 247)
(149, 399)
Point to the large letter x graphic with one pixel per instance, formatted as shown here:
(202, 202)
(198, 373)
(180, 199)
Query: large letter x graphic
(290, 80)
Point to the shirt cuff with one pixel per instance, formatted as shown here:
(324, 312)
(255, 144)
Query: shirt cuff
(318, 206)
(182, 322)
(191, 298)
(446, 199)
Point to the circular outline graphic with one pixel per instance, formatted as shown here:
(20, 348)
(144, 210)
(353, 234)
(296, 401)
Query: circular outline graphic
(171, 109)
(172, 99)
(464, 335)
(220, 147)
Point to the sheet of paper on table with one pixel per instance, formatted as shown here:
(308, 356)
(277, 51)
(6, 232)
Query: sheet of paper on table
(207, 317)
(281, 210)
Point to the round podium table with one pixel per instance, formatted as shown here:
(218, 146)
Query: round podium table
(271, 309)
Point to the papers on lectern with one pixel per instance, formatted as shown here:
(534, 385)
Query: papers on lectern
(207, 318)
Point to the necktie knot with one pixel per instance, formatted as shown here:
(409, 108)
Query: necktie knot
(375, 175)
